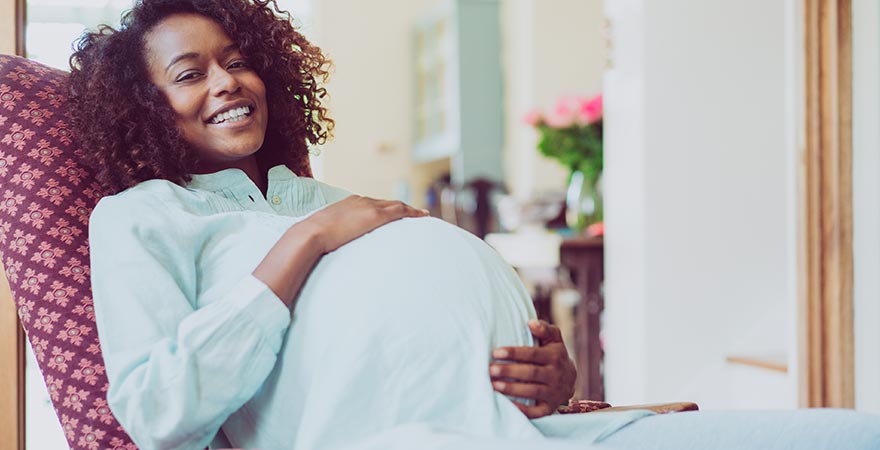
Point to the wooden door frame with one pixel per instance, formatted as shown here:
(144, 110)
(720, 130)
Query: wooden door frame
(12, 338)
(826, 338)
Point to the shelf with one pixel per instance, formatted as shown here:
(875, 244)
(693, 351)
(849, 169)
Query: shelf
(774, 363)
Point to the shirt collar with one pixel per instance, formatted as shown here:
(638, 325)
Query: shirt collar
(232, 177)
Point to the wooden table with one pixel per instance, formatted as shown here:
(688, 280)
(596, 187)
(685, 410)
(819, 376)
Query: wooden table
(583, 257)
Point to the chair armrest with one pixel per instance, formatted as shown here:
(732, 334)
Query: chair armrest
(586, 406)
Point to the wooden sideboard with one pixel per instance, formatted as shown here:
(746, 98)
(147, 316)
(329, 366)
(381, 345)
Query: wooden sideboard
(583, 257)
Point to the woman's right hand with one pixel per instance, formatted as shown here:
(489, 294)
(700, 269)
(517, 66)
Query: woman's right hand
(354, 216)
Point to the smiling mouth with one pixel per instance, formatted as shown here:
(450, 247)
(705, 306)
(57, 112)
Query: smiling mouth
(231, 116)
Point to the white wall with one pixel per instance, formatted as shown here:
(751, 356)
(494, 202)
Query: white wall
(866, 201)
(699, 208)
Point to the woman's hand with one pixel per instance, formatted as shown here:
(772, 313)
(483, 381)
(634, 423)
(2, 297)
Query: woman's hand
(354, 216)
(285, 268)
(544, 374)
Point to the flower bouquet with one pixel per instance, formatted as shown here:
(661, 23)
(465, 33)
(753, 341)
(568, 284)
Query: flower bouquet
(572, 134)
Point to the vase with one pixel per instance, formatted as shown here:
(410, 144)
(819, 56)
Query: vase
(583, 201)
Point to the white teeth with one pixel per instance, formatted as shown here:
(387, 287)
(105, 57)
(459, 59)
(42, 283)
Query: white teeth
(233, 115)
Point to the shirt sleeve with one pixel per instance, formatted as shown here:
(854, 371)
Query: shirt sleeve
(176, 372)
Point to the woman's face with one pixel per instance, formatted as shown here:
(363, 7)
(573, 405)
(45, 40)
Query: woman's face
(219, 100)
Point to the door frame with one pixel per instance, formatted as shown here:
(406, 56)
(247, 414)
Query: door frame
(826, 339)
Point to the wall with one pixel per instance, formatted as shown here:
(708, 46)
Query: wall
(866, 201)
(371, 92)
(699, 203)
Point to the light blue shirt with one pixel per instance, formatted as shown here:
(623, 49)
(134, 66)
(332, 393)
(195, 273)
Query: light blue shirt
(392, 332)
(188, 334)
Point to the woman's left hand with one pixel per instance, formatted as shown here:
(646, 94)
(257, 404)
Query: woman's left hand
(544, 374)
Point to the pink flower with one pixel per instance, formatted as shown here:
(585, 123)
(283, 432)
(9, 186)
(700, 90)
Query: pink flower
(533, 117)
(590, 111)
(565, 112)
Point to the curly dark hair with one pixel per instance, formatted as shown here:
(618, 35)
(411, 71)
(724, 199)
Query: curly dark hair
(127, 127)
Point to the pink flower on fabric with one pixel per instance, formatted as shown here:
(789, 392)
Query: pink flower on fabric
(72, 171)
(24, 310)
(54, 386)
(40, 346)
(18, 136)
(74, 332)
(94, 348)
(59, 293)
(59, 359)
(79, 210)
(86, 308)
(32, 281)
(75, 398)
(13, 268)
(100, 412)
(61, 131)
(46, 320)
(76, 270)
(8, 97)
(26, 176)
(64, 232)
(36, 216)
(35, 114)
(88, 372)
(46, 254)
(44, 152)
(69, 425)
(54, 191)
(5, 162)
(11, 202)
(20, 76)
(119, 444)
(51, 95)
(20, 242)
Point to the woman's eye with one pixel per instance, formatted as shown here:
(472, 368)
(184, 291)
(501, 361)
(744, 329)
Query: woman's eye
(237, 64)
(187, 76)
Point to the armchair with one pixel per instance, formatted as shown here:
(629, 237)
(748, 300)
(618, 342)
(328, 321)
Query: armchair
(46, 197)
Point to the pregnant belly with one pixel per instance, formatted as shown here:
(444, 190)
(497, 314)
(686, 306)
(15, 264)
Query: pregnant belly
(396, 327)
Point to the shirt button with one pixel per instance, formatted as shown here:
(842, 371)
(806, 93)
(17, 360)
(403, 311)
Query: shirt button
(276, 200)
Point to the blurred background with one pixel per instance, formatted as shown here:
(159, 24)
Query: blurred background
(676, 274)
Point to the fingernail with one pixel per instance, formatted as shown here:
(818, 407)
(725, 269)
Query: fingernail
(495, 370)
(500, 353)
(425, 211)
(499, 384)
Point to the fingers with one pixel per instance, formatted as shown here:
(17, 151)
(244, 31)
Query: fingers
(396, 209)
(545, 332)
(529, 373)
(534, 391)
(540, 409)
(534, 355)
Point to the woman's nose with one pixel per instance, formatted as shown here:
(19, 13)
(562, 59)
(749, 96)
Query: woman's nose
(223, 82)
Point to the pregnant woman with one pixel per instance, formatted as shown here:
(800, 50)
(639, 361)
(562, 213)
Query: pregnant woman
(238, 303)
